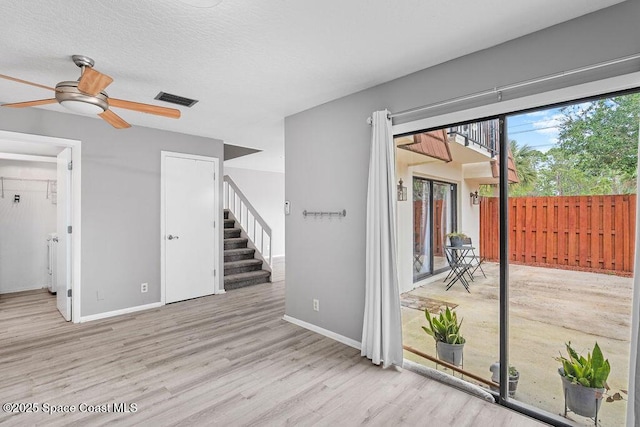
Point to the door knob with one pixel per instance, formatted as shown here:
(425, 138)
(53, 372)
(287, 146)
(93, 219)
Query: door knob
(170, 237)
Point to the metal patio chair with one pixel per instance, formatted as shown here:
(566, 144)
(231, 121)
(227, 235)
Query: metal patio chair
(474, 259)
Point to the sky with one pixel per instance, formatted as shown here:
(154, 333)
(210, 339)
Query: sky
(537, 129)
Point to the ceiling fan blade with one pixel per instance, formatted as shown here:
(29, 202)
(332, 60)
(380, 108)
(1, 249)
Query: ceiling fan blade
(145, 108)
(31, 103)
(114, 120)
(13, 79)
(93, 82)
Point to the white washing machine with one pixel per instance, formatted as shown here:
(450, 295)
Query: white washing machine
(52, 249)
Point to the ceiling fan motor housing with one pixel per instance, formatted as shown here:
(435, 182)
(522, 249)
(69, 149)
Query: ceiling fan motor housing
(68, 95)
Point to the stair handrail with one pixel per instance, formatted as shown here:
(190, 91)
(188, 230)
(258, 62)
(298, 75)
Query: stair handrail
(233, 192)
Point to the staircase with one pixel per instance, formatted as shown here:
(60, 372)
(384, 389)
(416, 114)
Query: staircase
(241, 267)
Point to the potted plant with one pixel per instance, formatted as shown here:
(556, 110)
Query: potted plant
(445, 330)
(584, 380)
(456, 238)
(514, 376)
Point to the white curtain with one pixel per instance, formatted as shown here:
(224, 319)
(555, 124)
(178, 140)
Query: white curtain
(382, 328)
(633, 405)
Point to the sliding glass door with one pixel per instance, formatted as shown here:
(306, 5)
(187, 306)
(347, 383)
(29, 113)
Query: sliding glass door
(548, 198)
(433, 217)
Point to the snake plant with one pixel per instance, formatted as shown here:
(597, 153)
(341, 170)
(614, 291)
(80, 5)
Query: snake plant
(445, 327)
(591, 371)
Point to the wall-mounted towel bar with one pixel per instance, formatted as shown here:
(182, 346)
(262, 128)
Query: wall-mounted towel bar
(341, 213)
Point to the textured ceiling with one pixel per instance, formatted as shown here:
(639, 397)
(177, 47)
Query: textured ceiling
(252, 62)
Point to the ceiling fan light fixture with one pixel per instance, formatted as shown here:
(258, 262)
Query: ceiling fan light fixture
(71, 98)
(82, 107)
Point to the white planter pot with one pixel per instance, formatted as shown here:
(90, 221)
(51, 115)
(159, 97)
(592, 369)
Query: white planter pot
(581, 400)
(450, 353)
(513, 379)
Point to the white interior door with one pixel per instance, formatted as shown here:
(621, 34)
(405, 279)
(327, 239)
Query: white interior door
(190, 239)
(63, 264)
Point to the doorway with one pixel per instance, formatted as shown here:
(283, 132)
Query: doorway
(434, 213)
(62, 191)
(190, 241)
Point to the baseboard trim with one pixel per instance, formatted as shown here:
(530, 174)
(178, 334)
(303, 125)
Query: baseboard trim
(120, 312)
(15, 291)
(327, 333)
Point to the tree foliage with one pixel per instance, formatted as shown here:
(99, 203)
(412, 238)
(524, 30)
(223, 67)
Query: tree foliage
(527, 161)
(602, 135)
(596, 153)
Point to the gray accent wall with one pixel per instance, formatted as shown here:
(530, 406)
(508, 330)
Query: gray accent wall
(327, 150)
(120, 201)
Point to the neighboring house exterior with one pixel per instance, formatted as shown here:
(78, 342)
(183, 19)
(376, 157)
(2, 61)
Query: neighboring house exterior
(442, 169)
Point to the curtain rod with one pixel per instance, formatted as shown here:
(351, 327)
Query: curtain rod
(498, 90)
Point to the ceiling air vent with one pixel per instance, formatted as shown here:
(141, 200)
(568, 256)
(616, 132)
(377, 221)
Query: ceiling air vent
(175, 99)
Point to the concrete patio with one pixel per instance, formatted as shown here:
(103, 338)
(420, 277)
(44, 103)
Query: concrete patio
(548, 307)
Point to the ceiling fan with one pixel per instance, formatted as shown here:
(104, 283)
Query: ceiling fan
(87, 96)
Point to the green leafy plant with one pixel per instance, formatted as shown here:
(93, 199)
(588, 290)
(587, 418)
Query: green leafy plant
(456, 234)
(445, 327)
(591, 371)
(513, 371)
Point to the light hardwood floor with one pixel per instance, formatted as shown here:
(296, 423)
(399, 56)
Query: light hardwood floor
(227, 360)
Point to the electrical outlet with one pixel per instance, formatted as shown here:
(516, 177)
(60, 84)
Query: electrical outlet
(144, 287)
(316, 305)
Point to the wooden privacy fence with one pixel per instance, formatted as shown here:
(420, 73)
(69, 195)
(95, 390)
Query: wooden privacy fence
(574, 232)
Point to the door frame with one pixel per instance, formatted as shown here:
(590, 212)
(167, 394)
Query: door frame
(217, 288)
(76, 204)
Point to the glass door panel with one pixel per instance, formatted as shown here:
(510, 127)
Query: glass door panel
(433, 218)
(570, 263)
(442, 223)
(421, 228)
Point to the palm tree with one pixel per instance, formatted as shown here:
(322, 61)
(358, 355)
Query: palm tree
(526, 160)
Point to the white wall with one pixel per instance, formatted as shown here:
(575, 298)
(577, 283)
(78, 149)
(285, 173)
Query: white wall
(265, 191)
(24, 226)
(120, 194)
